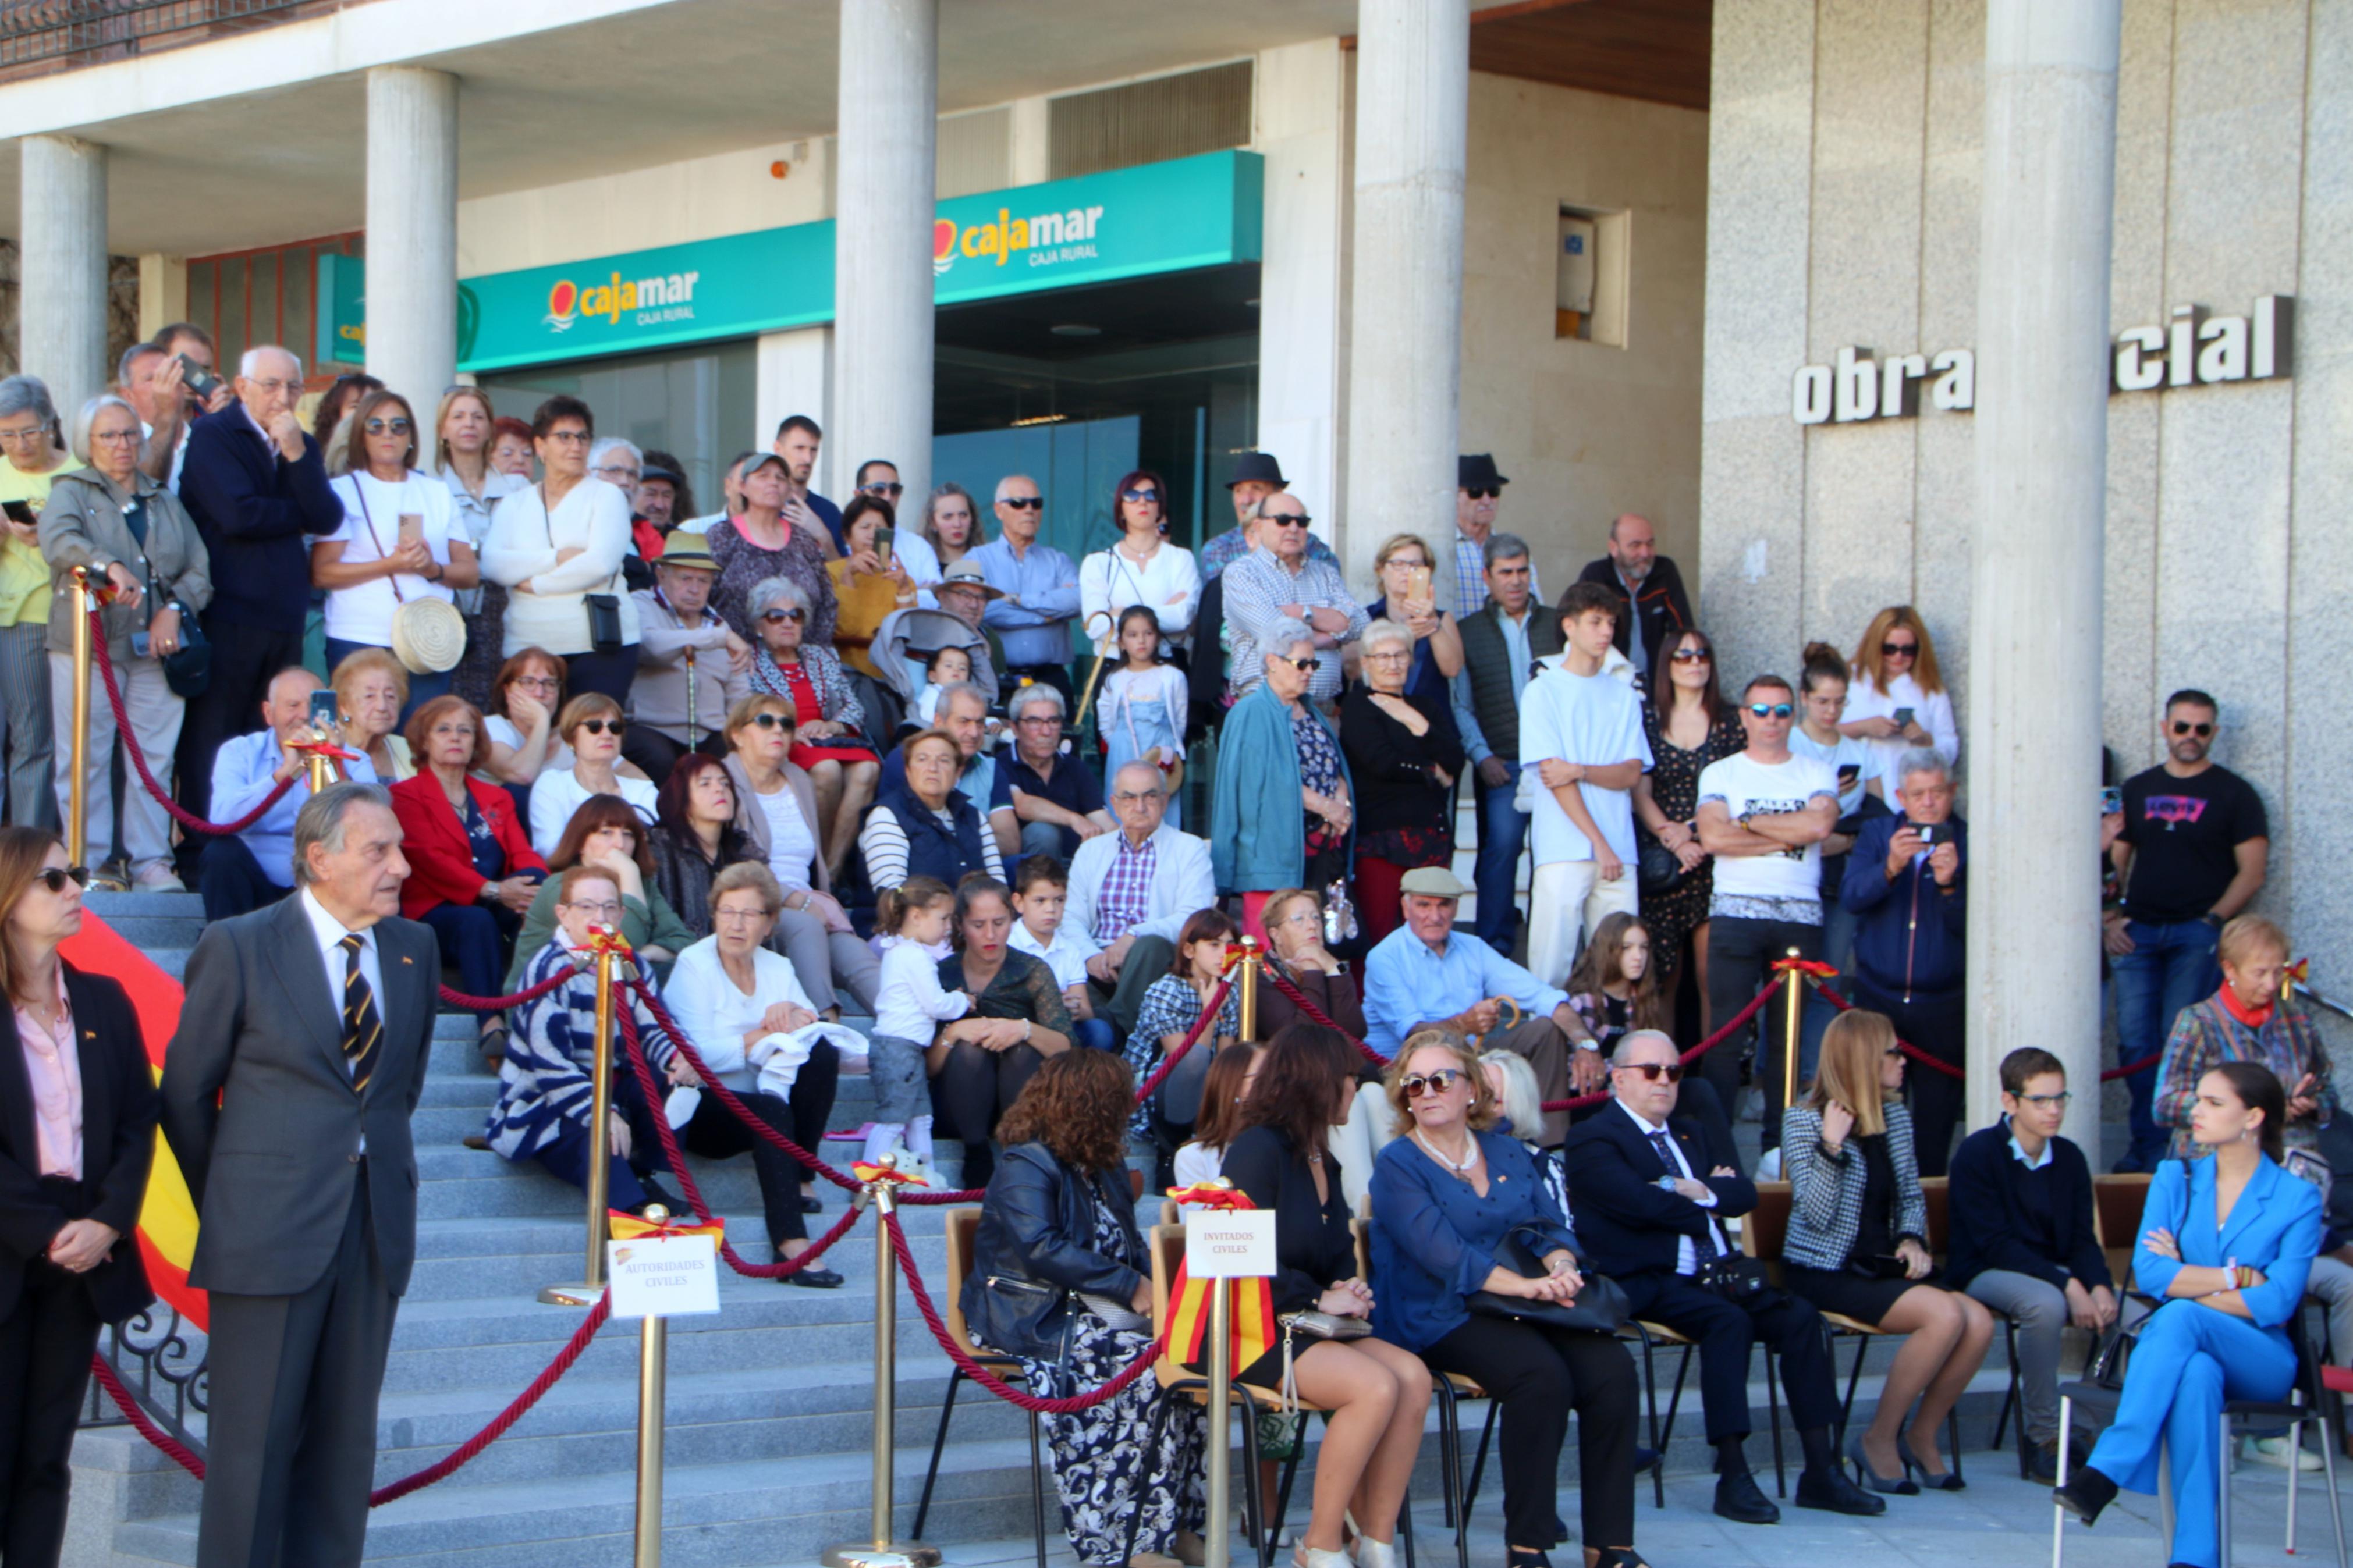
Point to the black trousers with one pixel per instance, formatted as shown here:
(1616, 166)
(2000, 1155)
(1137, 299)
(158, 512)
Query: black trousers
(233, 882)
(610, 673)
(1538, 1374)
(971, 1091)
(476, 942)
(244, 659)
(713, 1133)
(657, 753)
(1938, 1026)
(1727, 1333)
(295, 1381)
(45, 1349)
(1740, 958)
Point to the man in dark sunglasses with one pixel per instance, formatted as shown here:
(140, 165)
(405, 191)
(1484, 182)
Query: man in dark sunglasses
(1763, 814)
(2192, 853)
(1280, 580)
(1650, 1185)
(1478, 491)
(1040, 589)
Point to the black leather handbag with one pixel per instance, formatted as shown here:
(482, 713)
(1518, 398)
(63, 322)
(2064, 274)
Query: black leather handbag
(1600, 1307)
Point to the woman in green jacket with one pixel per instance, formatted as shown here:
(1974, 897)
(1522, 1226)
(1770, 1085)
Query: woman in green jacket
(606, 831)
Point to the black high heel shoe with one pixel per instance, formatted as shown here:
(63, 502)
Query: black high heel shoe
(1949, 1481)
(1619, 1557)
(2087, 1492)
(1518, 1557)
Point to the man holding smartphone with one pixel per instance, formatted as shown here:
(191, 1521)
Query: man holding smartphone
(254, 868)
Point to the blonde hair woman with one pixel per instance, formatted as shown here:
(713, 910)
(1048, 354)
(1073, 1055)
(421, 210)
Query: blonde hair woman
(1404, 564)
(1898, 698)
(1858, 1246)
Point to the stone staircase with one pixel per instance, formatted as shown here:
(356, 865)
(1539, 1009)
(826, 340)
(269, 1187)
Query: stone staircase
(768, 1454)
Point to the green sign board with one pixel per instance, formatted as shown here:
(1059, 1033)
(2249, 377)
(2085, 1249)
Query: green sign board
(343, 310)
(1126, 223)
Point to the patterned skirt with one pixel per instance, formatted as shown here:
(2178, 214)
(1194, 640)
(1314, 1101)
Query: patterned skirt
(1102, 1470)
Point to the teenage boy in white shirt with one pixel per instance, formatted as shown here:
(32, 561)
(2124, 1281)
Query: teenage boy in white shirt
(1041, 890)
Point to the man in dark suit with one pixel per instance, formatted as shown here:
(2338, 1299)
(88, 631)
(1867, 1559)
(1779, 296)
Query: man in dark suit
(1652, 587)
(257, 486)
(287, 1095)
(1648, 1219)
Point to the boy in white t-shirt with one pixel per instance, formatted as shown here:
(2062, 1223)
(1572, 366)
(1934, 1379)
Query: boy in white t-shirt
(1042, 890)
(1763, 815)
(1581, 736)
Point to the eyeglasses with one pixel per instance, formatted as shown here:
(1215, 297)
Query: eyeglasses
(596, 911)
(569, 437)
(1133, 797)
(1672, 1071)
(889, 491)
(274, 386)
(114, 435)
(1771, 710)
(1389, 656)
(1287, 519)
(1692, 655)
(395, 425)
(1139, 495)
(534, 683)
(1303, 665)
(2041, 1101)
(1024, 503)
(1041, 721)
(772, 720)
(2183, 727)
(24, 438)
(598, 726)
(1898, 650)
(55, 878)
(1438, 1082)
(617, 471)
(1483, 495)
(778, 617)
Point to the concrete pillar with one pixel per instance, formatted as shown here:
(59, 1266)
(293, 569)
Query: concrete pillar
(162, 292)
(62, 306)
(1404, 343)
(882, 238)
(1302, 132)
(2033, 754)
(1029, 141)
(412, 232)
(792, 374)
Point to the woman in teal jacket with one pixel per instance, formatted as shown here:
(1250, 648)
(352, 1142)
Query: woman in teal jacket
(1283, 810)
(2228, 1239)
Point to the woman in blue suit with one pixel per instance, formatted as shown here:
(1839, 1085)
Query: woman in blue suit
(2228, 1240)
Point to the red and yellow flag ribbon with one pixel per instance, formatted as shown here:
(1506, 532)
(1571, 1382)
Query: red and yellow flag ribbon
(609, 939)
(623, 1225)
(866, 1173)
(1811, 967)
(1188, 1316)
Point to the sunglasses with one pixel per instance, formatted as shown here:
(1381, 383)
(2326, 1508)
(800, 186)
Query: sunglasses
(599, 726)
(1139, 495)
(1483, 495)
(1024, 503)
(772, 720)
(55, 878)
(395, 425)
(1898, 650)
(2183, 727)
(1287, 519)
(1691, 655)
(1304, 666)
(1672, 1071)
(2039, 1101)
(1438, 1082)
(1771, 710)
(778, 617)
(892, 491)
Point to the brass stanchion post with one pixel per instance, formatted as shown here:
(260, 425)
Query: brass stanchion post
(1216, 1531)
(653, 1354)
(600, 1110)
(77, 804)
(1793, 1006)
(880, 1551)
(1248, 966)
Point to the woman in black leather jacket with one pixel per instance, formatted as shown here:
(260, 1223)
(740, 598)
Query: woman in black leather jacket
(1060, 1279)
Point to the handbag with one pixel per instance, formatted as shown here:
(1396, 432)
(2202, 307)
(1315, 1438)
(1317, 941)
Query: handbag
(1734, 1276)
(188, 668)
(1326, 1326)
(1599, 1307)
(429, 635)
(1658, 869)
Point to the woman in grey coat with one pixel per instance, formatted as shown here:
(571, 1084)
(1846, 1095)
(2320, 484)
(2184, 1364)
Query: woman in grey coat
(133, 534)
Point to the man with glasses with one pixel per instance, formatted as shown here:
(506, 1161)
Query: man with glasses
(2192, 854)
(1501, 641)
(256, 484)
(622, 465)
(1479, 489)
(1279, 581)
(1132, 891)
(1656, 609)
(246, 871)
(1907, 884)
(880, 479)
(1650, 1219)
(1056, 797)
(1426, 975)
(1039, 587)
(1763, 814)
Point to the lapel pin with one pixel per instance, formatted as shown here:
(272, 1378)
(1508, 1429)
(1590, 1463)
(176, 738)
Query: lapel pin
(406, 959)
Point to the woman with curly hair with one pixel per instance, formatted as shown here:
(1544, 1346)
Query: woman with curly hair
(1060, 1279)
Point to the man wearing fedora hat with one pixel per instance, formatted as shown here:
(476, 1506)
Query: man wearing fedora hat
(690, 665)
(1256, 475)
(1479, 490)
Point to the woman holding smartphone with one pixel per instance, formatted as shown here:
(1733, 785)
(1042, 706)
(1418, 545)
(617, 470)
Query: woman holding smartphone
(869, 583)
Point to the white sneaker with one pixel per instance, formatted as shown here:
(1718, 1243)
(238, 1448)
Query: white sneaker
(2277, 1452)
(158, 877)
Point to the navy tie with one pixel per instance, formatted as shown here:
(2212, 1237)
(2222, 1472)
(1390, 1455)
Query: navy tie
(1704, 1242)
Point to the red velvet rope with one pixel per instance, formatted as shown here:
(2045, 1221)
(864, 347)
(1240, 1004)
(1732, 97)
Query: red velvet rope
(500, 1004)
(981, 1374)
(1949, 1071)
(727, 1097)
(186, 819)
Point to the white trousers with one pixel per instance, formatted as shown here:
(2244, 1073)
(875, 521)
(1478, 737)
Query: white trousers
(1567, 901)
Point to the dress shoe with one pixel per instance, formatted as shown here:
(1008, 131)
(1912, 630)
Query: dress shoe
(811, 1203)
(2088, 1491)
(1833, 1493)
(1739, 1499)
(813, 1278)
(2043, 1462)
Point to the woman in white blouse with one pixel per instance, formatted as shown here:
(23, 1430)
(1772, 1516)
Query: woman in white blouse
(462, 436)
(728, 993)
(1143, 568)
(558, 542)
(592, 725)
(1898, 699)
(400, 540)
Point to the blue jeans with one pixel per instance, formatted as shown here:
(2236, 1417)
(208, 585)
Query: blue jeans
(1503, 833)
(2171, 965)
(1095, 1034)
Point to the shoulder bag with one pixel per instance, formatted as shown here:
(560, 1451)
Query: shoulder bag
(1600, 1307)
(187, 669)
(603, 609)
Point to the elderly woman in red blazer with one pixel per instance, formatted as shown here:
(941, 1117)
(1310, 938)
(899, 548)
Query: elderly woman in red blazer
(471, 869)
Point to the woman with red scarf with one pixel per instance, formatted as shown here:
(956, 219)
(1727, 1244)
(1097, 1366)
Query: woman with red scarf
(2247, 1021)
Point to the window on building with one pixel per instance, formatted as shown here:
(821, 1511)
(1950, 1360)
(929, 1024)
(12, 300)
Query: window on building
(248, 298)
(1149, 122)
(1590, 264)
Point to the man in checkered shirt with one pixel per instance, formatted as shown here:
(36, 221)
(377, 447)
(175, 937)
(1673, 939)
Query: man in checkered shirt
(1479, 490)
(1132, 891)
(1278, 581)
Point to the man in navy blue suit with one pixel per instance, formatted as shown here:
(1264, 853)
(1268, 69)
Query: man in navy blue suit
(257, 486)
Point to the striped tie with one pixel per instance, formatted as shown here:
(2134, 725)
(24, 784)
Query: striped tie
(363, 1029)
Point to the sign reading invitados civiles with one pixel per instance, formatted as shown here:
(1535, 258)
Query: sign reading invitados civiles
(1228, 1244)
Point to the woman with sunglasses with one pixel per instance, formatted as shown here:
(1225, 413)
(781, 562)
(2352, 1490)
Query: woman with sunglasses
(761, 544)
(1460, 1210)
(1898, 699)
(828, 722)
(1283, 808)
(1857, 1246)
(76, 1134)
(1688, 725)
(400, 540)
(1403, 566)
(1141, 567)
(557, 542)
(592, 726)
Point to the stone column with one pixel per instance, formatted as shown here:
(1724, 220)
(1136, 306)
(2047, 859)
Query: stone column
(412, 233)
(2034, 755)
(1413, 84)
(62, 307)
(883, 238)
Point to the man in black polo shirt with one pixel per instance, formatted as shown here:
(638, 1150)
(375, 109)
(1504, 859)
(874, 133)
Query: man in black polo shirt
(1056, 797)
(2191, 855)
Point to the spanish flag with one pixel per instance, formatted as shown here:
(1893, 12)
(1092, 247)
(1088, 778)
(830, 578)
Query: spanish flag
(1188, 1317)
(623, 1225)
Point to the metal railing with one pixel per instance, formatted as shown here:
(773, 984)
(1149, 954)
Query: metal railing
(64, 35)
(162, 1361)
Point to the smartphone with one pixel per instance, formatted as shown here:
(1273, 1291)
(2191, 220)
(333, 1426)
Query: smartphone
(1904, 718)
(325, 711)
(412, 526)
(196, 378)
(1847, 772)
(884, 539)
(20, 512)
(139, 643)
(1417, 582)
(2112, 800)
(1932, 833)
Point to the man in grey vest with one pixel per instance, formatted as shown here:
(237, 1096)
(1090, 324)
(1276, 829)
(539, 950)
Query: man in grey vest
(1501, 641)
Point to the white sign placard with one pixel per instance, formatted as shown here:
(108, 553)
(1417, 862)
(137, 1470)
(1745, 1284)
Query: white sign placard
(1223, 1244)
(663, 1276)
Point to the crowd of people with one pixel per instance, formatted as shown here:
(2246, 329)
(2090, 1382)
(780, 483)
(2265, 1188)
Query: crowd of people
(813, 765)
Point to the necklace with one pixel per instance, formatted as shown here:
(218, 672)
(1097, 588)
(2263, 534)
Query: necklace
(1460, 1167)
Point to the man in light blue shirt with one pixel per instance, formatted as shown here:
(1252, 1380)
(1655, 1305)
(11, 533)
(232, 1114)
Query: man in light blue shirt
(1040, 585)
(244, 871)
(1427, 975)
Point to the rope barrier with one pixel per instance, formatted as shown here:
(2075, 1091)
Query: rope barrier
(186, 818)
(727, 1097)
(1906, 1047)
(500, 1004)
(989, 1381)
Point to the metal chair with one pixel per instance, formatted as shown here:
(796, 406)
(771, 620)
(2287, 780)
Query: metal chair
(2116, 1203)
(963, 1224)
